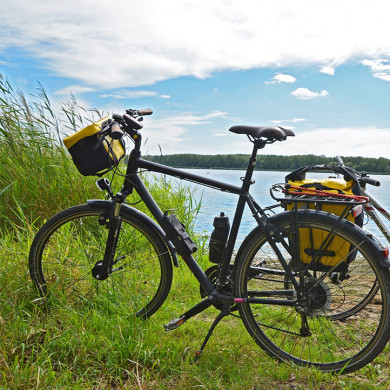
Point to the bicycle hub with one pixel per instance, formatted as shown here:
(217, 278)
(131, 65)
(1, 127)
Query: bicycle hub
(98, 272)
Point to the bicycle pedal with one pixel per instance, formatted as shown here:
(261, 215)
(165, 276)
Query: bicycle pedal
(175, 323)
(197, 356)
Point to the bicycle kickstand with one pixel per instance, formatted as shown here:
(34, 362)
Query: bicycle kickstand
(224, 312)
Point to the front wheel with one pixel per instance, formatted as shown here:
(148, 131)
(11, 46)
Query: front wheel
(69, 245)
(340, 320)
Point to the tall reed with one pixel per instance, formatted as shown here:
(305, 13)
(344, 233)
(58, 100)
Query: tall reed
(37, 175)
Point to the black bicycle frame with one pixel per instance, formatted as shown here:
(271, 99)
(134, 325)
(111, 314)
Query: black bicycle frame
(133, 181)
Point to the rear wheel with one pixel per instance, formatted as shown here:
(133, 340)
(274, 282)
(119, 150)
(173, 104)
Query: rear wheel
(341, 319)
(69, 245)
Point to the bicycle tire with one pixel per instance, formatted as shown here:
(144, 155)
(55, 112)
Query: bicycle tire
(322, 331)
(68, 246)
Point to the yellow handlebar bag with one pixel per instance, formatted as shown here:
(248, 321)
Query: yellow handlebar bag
(91, 154)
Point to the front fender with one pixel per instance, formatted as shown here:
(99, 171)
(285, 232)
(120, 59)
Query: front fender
(131, 211)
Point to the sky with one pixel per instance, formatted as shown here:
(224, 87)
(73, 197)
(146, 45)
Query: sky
(321, 68)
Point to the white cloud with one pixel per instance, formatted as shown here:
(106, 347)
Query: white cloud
(328, 70)
(379, 68)
(130, 94)
(293, 120)
(281, 78)
(306, 94)
(74, 89)
(132, 43)
(170, 132)
(336, 141)
(134, 95)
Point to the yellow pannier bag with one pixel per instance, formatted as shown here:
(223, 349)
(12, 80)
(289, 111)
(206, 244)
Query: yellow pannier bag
(338, 251)
(92, 154)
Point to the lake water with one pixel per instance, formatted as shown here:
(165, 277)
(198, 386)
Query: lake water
(215, 201)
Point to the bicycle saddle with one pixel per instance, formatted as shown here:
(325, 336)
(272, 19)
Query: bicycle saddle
(272, 133)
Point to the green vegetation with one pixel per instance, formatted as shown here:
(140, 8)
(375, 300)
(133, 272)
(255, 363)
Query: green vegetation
(91, 348)
(270, 162)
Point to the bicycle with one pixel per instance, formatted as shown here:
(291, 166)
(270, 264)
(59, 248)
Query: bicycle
(365, 211)
(115, 253)
(373, 204)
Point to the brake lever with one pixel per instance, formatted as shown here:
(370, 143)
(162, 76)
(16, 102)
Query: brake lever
(132, 122)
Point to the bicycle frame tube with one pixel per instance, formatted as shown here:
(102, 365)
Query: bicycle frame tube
(370, 209)
(134, 181)
(154, 167)
(143, 192)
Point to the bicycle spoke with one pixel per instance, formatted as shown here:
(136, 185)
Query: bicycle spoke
(77, 245)
(335, 320)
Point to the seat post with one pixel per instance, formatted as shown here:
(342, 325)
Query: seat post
(251, 167)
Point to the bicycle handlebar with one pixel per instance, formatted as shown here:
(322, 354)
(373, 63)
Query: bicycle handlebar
(349, 173)
(373, 182)
(362, 177)
(142, 112)
(129, 123)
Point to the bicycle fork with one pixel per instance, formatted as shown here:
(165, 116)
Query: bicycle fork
(103, 269)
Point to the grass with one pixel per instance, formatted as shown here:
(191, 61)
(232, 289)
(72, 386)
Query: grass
(92, 348)
(87, 348)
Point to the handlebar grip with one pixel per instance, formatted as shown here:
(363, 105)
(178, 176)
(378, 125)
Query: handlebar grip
(145, 111)
(339, 161)
(373, 182)
(116, 131)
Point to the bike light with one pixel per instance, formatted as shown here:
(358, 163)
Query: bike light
(103, 184)
(385, 252)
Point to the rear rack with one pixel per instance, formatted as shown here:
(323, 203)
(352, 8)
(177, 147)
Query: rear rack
(293, 194)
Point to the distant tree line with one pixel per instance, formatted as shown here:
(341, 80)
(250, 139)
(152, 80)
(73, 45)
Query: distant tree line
(270, 162)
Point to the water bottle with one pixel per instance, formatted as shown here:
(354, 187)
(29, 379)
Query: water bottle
(218, 238)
